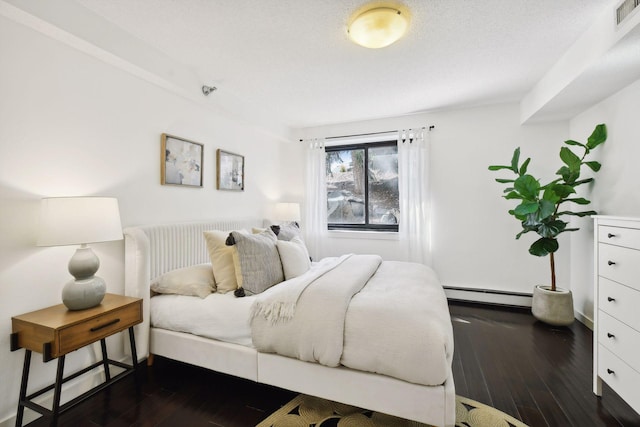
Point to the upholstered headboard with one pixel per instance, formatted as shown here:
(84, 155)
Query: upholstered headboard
(152, 250)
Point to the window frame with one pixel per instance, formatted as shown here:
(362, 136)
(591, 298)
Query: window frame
(366, 226)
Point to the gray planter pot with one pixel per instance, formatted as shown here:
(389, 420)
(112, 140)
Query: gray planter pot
(553, 307)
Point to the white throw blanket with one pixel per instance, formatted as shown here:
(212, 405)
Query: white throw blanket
(388, 317)
(278, 303)
(315, 333)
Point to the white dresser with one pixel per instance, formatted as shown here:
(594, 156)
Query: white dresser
(616, 334)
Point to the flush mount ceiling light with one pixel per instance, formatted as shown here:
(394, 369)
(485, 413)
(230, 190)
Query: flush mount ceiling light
(378, 26)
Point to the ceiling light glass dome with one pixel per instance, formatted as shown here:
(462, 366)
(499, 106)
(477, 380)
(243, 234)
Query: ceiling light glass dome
(378, 27)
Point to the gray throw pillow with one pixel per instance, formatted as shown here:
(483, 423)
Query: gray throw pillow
(288, 231)
(256, 261)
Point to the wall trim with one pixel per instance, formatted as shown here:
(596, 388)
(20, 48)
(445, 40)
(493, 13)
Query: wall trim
(488, 296)
(502, 298)
(582, 318)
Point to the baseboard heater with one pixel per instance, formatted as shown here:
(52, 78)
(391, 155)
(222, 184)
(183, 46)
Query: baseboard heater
(488, 296)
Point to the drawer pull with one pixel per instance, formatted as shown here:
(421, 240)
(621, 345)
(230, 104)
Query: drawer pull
(610, 372)
(610, 335)
(611, 263)
(611, 235)
(106, 325)
(610, 299)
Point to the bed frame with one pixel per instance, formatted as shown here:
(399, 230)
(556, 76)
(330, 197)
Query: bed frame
(156, 249)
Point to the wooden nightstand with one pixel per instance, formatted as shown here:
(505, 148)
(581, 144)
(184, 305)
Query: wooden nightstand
(56, 331)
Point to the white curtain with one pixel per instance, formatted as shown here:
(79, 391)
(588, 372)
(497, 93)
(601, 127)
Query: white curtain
(315, 219)
(413, 186)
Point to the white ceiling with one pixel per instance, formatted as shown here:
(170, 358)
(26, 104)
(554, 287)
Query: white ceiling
(292, 59)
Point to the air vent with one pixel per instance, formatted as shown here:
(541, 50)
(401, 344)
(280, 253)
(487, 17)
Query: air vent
(625, 9)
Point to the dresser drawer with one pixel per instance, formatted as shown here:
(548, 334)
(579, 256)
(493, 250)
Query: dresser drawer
(621, 377)
(619, 236)
(619, 264)
(622, 340)
(619, 301)
(78, 335)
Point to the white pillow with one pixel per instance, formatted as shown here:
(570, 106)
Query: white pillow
(196, 280)
(221, 257)
(294, 257)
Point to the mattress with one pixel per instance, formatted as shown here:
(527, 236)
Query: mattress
(222, 317)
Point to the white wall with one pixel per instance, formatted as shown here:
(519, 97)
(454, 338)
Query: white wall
(473, 242)
(616, 190)
(474, 236)
(73, 125)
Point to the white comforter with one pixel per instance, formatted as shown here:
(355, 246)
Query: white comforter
(219, 316)
(390, 318)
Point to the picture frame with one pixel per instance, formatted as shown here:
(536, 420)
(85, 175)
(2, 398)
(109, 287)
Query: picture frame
(181, 161)
(230, 171)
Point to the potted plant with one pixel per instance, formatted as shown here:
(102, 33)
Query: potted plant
(541, 209)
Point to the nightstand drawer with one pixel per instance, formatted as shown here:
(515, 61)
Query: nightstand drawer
(621, 377)
(622, 340)
(619, 264)
(619, 301)
(56, 330)
(619, 236)
(94, 329)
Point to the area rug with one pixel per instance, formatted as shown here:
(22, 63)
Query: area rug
(308, 411)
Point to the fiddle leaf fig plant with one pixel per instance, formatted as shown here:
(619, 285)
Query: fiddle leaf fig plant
(542, 207)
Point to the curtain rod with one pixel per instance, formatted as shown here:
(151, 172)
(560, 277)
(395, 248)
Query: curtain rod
(369, 133)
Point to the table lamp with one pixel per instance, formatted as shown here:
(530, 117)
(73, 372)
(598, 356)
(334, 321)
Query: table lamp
(79, 221)
(287, 212)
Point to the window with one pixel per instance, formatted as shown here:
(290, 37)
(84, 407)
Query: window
(362, 186)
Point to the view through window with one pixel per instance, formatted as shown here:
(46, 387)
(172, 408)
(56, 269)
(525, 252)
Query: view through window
(362, 186)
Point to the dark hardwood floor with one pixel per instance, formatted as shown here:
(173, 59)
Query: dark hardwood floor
(539, 374)
(503, 358)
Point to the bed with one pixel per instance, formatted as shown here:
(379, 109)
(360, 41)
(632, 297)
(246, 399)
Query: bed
(153, 250)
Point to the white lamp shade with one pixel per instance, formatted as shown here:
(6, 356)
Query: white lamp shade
(287, 211)
(78, 220)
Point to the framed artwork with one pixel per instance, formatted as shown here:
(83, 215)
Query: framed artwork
(230, 174)
(181, 162)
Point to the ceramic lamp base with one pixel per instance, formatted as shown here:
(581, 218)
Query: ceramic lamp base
(85, 293)
(87, 290)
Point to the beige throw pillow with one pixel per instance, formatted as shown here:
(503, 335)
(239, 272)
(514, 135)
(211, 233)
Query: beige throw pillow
(196, 280)
(221, 257)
